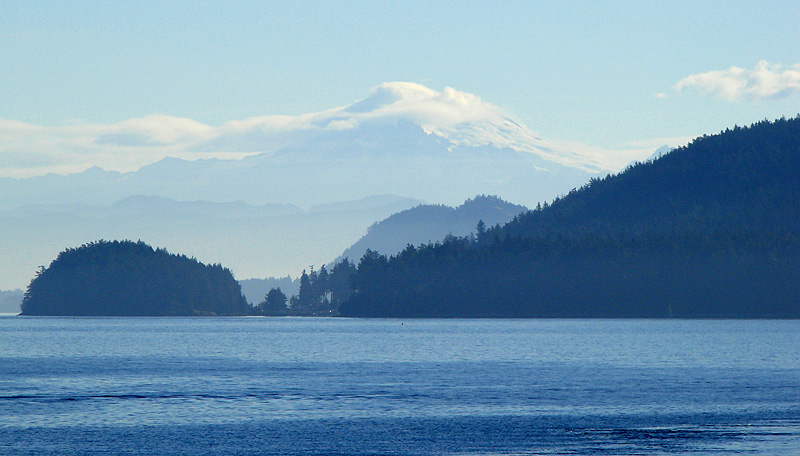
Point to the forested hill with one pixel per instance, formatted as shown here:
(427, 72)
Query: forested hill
(709, 230)
(124, 278)
(426, 223)
(741, 179)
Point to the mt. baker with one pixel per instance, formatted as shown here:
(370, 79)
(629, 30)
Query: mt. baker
(404, 139)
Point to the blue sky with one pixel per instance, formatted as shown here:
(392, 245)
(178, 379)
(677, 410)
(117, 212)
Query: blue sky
(601, 73)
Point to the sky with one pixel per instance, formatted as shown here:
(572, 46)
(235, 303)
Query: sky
(609, 75)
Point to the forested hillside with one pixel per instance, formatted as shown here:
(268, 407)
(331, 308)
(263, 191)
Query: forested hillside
(131, 279)
(709, 230)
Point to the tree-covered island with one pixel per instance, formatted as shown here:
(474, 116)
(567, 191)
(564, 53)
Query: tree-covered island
(125, 278)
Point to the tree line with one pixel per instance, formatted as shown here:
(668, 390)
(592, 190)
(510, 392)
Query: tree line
(320, 293)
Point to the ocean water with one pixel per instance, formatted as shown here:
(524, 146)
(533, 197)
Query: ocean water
(260, 386)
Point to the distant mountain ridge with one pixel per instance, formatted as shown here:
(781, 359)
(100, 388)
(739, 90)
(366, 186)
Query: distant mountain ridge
(418, 225)
(255, 290)
(149, 205)
(431, 223)
(10, 301)
(253, 240)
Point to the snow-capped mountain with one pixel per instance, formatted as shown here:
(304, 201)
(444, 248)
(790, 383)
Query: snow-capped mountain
(403, 139)
(450, 118)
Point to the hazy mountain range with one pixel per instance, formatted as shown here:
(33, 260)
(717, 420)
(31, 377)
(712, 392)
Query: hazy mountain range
(419, 225)
(254, 241)
(431, 223)
(10, 301)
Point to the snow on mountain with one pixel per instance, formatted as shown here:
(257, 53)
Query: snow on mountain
(661, 151)
(403, 139)
(458, 118)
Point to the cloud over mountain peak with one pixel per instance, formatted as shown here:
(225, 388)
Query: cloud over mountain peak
(390, 93)
(461, 118)
(432, 110)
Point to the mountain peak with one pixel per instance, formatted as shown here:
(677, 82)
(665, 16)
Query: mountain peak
(432, 110)
(389, 93)
(459, 118)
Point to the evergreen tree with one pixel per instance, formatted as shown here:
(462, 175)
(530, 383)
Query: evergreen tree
(305, 294)
(480, 231)
(322, 290)
(339, 281)
(274, 303)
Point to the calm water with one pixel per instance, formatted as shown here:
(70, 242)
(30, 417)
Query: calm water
(231, 386)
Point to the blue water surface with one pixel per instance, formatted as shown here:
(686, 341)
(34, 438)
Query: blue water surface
(231, 386)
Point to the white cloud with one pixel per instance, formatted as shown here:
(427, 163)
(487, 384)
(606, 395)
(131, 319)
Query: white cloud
(28, 150)
(463, 118)
(617, 158)
(764, 82)
(31, 150)
(430, 109)
(158, 128)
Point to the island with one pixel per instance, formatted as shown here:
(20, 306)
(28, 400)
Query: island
(126, 278)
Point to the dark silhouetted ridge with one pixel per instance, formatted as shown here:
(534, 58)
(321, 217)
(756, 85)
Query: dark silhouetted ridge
(711, 229)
